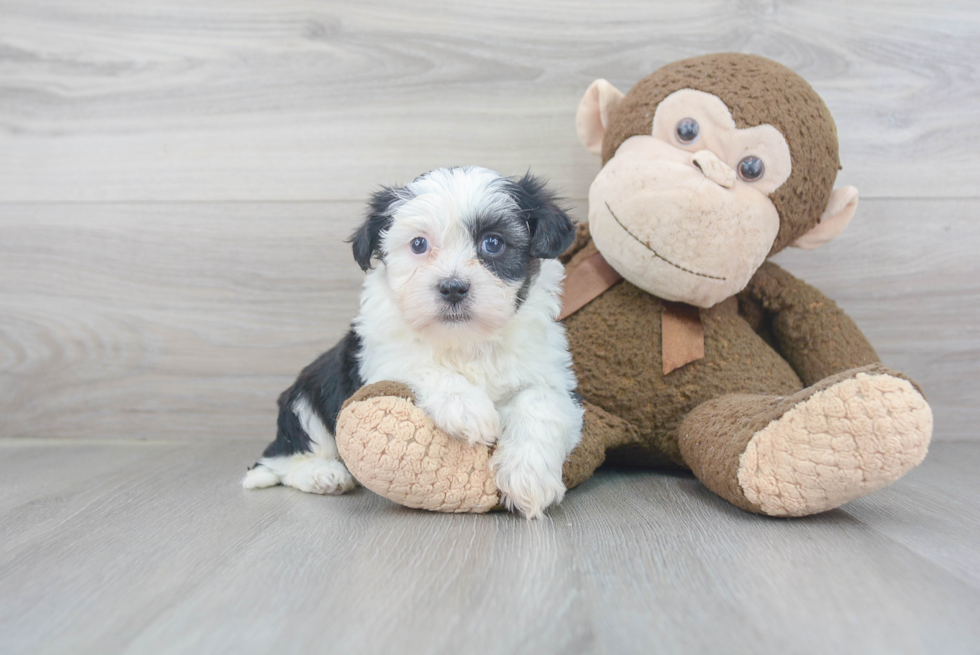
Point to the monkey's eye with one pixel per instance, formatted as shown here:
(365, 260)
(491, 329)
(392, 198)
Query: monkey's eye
(419, 245)
(688, 130)
(493, 245)
(751, 169)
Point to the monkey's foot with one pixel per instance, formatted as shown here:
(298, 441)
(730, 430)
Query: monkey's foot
(842, 438)
(847, 440)
(393, 448)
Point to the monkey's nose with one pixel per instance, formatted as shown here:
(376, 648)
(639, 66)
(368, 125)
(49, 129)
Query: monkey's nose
(454, 289)
(713, 168)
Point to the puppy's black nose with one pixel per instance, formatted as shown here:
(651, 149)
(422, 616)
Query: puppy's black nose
(454, 289)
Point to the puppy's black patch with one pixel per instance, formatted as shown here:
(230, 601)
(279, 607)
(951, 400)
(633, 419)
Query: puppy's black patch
(552, 231)
(533, 267)
(332, 378)
(290, 436)
(539, 230)
(511, 264)
(366, 241)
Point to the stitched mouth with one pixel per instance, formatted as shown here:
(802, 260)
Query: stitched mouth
(657, 254)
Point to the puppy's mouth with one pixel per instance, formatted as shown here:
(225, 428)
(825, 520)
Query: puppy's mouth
(455, 316)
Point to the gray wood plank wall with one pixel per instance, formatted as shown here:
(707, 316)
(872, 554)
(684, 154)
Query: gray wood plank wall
(176, 178)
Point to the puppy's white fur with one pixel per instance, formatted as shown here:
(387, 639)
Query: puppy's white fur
(512, 387)
(503, 377)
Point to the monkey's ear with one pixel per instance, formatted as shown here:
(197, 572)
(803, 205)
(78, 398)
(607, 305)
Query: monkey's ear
(840, 209)
(552, 231)
(592, 118)
(366, 240)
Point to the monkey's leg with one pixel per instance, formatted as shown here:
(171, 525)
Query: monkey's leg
(835, 441)
(392, 447)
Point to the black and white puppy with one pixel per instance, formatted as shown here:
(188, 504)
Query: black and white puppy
(462, 307)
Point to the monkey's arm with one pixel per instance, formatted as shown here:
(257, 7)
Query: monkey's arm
(808, 329)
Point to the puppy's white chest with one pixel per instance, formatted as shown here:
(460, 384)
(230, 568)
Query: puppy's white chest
(490, 372)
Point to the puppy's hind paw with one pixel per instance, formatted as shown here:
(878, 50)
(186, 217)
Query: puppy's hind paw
(259, 477)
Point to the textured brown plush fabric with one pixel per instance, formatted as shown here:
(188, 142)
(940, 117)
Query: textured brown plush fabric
(615, 341)
(601, 432)
(814, 335)
(758, 91)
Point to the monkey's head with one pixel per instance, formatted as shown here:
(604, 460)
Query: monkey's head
(710, 165)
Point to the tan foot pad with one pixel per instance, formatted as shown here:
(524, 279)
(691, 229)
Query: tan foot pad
(839, 444)
(393, 448)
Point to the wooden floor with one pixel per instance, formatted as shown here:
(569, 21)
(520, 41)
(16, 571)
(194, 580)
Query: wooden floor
(176, 181)
(146, 547)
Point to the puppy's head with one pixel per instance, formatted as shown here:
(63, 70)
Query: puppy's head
(460, 247)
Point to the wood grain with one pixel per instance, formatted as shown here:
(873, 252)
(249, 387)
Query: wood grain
(175, 321)
(933, 511)
(187, 320)
(159, 549)
(301, 100)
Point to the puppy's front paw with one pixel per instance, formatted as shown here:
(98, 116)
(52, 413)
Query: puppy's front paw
(527, 484)
(470, 417)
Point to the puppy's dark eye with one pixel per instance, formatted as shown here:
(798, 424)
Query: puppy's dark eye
(493, 245)
(751, 169)
(419, 245)
(688, 130)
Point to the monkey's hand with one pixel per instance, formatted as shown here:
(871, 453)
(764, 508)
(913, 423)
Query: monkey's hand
(391, 446)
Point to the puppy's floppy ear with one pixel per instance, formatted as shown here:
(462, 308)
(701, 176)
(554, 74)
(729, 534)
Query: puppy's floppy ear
(366, 241)
(552, 231)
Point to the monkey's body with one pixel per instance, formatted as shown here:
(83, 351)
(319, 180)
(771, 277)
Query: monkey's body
(703, 415)
(617, 356)
(710, 166)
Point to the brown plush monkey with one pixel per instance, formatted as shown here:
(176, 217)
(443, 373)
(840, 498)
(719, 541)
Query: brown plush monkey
(691, 349)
